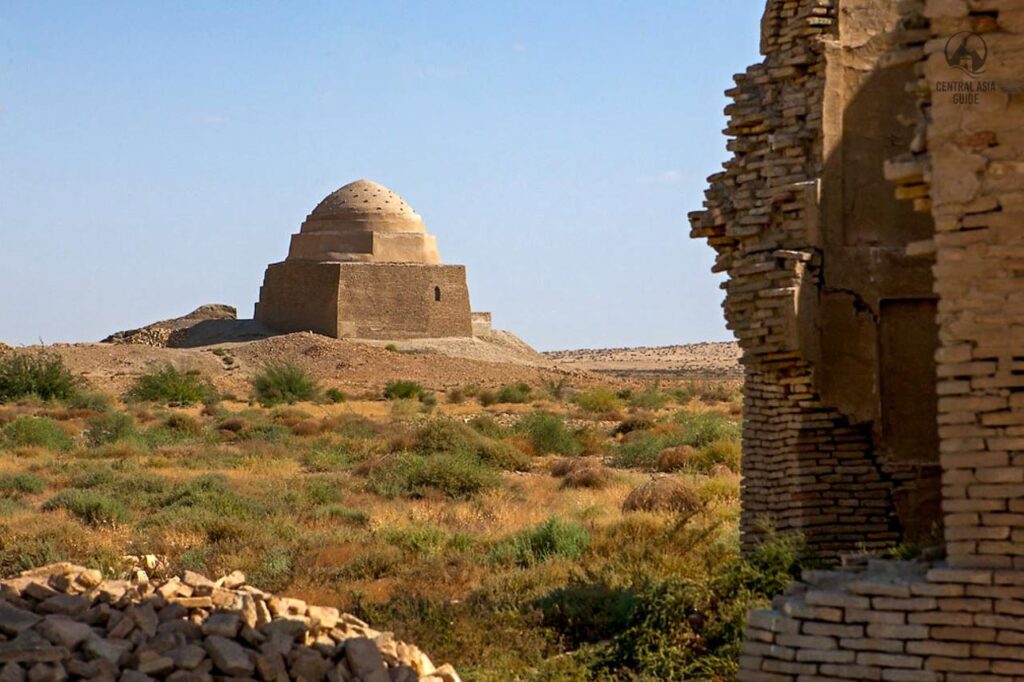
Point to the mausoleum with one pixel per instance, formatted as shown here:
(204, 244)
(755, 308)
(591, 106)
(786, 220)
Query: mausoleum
(363, 265)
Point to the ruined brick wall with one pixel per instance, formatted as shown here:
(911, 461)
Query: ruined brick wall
(958, 619)
(366, 300)
(811, 269)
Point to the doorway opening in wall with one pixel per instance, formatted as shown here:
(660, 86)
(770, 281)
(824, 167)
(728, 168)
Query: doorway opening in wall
(437, 293)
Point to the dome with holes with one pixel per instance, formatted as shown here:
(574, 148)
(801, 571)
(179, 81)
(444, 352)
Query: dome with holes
(367, 222)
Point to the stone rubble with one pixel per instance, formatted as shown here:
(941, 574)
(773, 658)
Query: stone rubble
(64, 622)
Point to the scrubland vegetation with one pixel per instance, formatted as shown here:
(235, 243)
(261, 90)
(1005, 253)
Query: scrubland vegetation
(522, 532)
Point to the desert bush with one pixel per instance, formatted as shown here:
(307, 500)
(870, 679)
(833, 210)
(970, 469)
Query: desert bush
(284, 382)
(109, 428)
(391, 347)
(90, 400)
(486, 425)
(650, 399)
(599, 400)
(556, 389)
(90, 507)
(670, 615)
(171, 386)
(15, 485)
(183, 423)
(335, 395)
(704, 427)
(676, 458)
(307, 427)
(586, 474)
(590, 439)
(514, 393)
(634, 422)
(43, 375)
(664, 493)
(457, 475)
(585, 613)
(451, 436)
(455, 395)
(725, 452)
(553, 538)
(486, 397)
(40, 432)
(403, 390)
(547, 434)
(326, 458)
(503, 455)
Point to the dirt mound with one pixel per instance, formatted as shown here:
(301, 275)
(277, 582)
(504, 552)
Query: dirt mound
(64, 620)
(718, 360)
(206, 325)
(494, 346)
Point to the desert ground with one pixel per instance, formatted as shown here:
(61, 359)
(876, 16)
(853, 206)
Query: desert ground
(523, 516)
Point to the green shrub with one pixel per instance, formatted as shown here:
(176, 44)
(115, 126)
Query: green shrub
(90, 400)
(109, 428)
(90, 507)
(486, 425)
(547, 434)
(599, 400)
(284, 382)
(15, 485)
(585, 613)
(321, 491)
(451, 436)
(335, 395)
(40, 432)
(326, 458)
(514, 393)
(403, 390)
(651, 399)
(553, 538)
(670, 616)
(725, 452)
(171, 386)
(41, 374)
(703, 428)
(391, 347)
(457, 475)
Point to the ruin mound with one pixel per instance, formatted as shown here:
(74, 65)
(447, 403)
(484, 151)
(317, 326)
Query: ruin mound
(64, 621)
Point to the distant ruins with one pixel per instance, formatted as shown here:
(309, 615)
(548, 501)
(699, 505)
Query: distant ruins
(362, 265)
(871, 223)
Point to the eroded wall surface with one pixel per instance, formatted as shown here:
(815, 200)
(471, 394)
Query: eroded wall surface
(835, 320)
(961, 617)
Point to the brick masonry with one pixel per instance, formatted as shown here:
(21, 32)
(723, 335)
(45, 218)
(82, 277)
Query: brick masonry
(835, 445)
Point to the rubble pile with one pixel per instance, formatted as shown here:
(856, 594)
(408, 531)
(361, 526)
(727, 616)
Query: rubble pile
(64, 621)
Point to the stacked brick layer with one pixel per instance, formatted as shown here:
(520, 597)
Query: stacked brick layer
(896, 621)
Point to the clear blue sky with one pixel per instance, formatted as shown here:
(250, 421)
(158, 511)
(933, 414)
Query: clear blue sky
(155, 156)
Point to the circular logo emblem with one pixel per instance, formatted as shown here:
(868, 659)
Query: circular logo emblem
(967, 51)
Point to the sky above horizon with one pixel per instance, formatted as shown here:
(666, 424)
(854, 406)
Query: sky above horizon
(157, 156)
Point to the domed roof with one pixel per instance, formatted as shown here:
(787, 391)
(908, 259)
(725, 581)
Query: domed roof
(362, 197)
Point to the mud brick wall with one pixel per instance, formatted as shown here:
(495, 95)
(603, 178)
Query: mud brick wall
(403, 300)
(366, 300)
(820, 293)
(897, 621)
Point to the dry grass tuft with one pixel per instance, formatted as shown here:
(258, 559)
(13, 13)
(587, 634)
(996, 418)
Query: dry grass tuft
(676, 458)
(664, 493)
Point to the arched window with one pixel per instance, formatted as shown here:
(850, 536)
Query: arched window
(437, 293)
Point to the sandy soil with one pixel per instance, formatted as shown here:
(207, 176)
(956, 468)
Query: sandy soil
(704, 360)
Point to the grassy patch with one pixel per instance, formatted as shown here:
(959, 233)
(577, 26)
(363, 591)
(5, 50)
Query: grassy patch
(171, 386)
(548, 434)
(554, 538)
(90, 507)
(15, 485)
(40, 432)
(599, 400)
(284, 382)
(456, 475)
